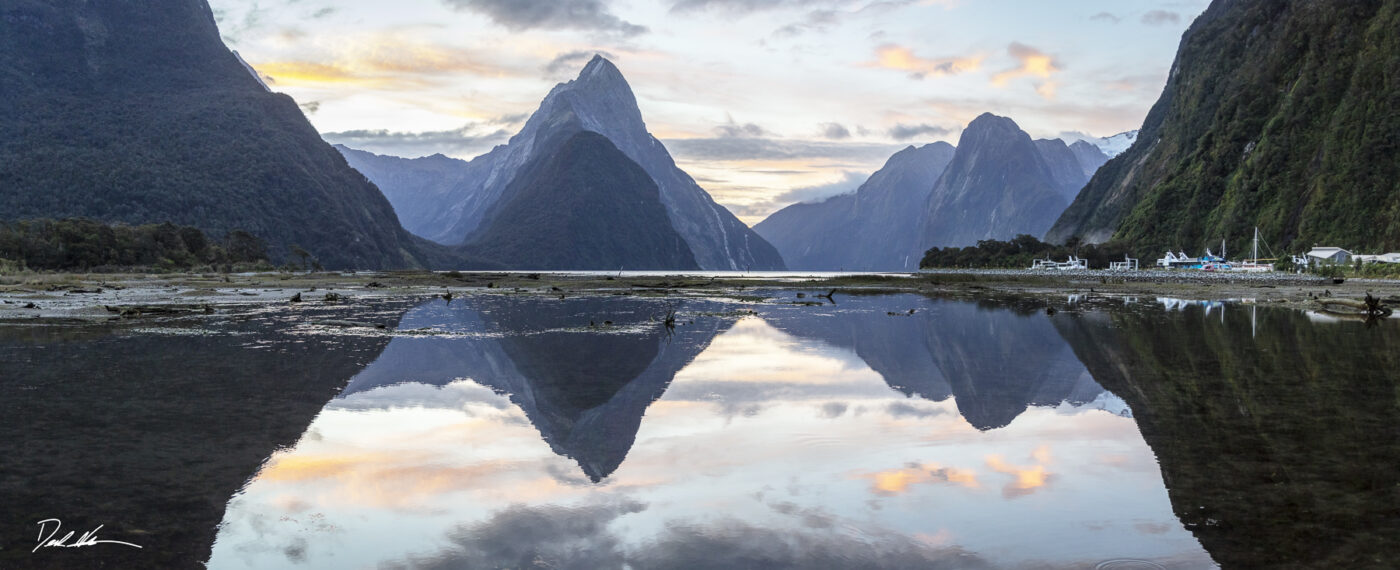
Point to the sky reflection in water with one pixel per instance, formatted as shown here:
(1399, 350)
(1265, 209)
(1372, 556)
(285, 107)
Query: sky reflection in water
(770, 445)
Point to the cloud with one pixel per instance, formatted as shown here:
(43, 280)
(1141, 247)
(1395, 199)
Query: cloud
(891, 482)
(835, 131)
(735, 130)
(767, 148)
(1025, 480)
(581, 537)
(832, 410)
(1033, 63)
(1161, 18)
(1106, 17)
(570, 62)
(738, 6)
(893, 56)
(382, 61)
(537, 537)
(468, 140)
(520, 15)
(816, 21)
(849, 182)
(310, 107)
(902, 132)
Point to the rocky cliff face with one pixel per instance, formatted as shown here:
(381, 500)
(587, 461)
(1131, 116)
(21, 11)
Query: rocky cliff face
(582, 205)
(1276, 115)
(143, 116)
(997, 186)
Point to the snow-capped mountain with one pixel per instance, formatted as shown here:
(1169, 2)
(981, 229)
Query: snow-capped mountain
(1111, 145)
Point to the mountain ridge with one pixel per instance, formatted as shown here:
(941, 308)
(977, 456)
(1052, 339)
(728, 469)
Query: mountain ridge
(1273, 116)
(146, 117)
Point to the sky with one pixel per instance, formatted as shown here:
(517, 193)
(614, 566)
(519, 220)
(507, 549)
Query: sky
(764, 102)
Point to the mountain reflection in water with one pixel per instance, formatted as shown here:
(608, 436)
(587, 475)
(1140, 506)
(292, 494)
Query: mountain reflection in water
(511, 433)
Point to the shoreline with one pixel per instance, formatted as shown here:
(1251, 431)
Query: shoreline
(40, 298)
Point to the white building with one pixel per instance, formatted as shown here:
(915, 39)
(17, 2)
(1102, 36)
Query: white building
(1328, 255)
(1382, 258)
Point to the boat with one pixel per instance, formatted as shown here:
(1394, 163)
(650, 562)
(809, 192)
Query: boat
(1252, 265)
(1071, 264)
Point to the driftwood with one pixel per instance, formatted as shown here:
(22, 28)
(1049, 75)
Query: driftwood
(158, 310)
(1370, 306)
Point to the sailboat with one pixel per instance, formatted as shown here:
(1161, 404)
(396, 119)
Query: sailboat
(1252, 264)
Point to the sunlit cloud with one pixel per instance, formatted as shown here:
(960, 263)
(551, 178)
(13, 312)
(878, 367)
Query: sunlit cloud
(1026, 480)
(897, 57)
(384, 62)
(890, 482)
(1033, 63)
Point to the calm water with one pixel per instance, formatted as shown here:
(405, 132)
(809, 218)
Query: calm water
(507, 432)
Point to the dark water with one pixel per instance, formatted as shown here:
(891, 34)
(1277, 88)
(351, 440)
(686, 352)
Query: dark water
(506, 432)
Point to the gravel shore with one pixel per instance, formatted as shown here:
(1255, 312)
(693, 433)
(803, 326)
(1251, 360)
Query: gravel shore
(78, 298)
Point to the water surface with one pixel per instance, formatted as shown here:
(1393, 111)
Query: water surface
(892, 431)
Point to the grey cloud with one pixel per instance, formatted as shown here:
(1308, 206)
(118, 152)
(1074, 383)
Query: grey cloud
(815, 21)
(1161, 17)
(518, 15)
(902, 131)
(735, 5)
(532, 537)
(1106, 17)
(471, 139)
(309, 107)
(903, 410)
(835, 131)
(738, 545)
(850, 181)
(570, 62)
(505, 120)
(832, 410)
(323, 12)
(735, 130)
(767, 148)
(579, 537)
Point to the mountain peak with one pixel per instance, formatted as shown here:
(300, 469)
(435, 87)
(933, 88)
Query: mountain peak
(599, 68)
(988, 121)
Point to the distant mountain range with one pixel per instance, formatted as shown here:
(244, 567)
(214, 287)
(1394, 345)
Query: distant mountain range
(1279, 115)
(996, 184)
(457, 202)
(1111, 145)
(141, 115)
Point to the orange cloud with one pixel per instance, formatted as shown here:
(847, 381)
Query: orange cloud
(896, 481)
(381, 61)
(1033, 63)
(892, 56)
(1025, 480)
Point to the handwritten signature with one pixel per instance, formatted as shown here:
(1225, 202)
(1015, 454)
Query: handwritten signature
(89, 538)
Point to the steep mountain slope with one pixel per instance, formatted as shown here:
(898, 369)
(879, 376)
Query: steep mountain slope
(599, 101)
(816, 236)
(1276, 114)
(582, 205)
(997, 186)
(1066, 169)
(1090, 157)
(414, 186)
(874, 229)
(142, 115)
